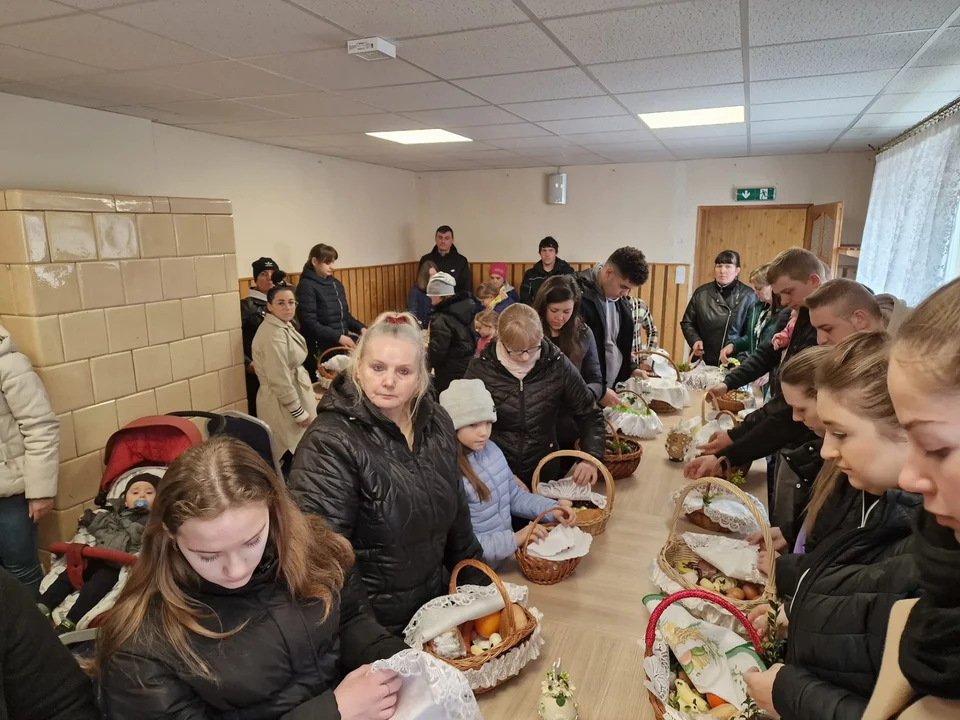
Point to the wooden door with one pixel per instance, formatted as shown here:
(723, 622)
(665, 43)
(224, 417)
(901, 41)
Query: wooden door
(757, 233)
(822, 237)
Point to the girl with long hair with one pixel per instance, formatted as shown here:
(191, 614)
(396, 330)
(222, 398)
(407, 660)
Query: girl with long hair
(239, 606)
(418, 303)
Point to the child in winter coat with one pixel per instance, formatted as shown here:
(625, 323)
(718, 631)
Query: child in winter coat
(119, 528)
(492, 490)
(494, 298)
(485, 323)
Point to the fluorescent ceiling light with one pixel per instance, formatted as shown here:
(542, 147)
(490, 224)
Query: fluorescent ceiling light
(689, 118)
(419, 137)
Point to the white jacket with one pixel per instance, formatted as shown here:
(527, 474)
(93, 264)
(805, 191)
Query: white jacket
(29, 431)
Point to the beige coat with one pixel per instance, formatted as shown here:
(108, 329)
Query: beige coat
(893, 698)
(285, 394)
(29, 431)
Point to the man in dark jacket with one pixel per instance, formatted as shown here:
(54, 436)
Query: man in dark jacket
(447, 259)
(253, 308)
(549, 266)
(453, 342)
(607, 312)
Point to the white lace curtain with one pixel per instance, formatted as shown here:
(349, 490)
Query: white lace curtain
(912, 217)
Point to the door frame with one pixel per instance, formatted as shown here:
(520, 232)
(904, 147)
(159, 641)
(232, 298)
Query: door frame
(703, 209)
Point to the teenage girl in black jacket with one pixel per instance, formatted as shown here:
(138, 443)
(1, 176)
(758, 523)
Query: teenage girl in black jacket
(238, 606)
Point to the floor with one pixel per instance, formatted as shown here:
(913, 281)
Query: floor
(594, 619)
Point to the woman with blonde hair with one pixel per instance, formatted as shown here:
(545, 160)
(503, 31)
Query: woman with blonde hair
(920, 676)
(380, 464)
(531, 382)
(844, 586)
(239, 606)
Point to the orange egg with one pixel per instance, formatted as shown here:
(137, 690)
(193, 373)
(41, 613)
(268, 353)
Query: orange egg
(488, 624)
(715, 701)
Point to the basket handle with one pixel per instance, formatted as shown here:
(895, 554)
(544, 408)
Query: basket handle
(539, 517)
(690, 358)
(486, 570)
(631, 392)
(615, 433)
(663, 355)
(733, 416)
(607, 477)
(764, 526)
(651, 634)
(326, 352)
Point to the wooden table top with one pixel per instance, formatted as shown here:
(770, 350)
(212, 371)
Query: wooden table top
(594, 619)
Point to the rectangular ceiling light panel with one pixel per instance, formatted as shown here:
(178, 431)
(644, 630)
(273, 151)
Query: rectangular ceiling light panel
(420, 137)
(690, 118)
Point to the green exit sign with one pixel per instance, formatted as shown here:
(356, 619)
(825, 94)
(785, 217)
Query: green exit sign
(755, 194)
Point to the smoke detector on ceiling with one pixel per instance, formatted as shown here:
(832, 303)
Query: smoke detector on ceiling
(372, 48)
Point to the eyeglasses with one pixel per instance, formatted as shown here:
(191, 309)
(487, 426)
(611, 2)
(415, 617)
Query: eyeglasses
(285, 303)
(517, 353)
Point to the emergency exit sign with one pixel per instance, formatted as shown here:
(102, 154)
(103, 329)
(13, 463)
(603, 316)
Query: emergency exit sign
(755, 194)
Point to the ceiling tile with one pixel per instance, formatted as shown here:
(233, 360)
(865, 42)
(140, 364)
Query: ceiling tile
(215, 111)
(121, 89)
(335, 70)
(873, 135)
(669, 135)
(17, 11)
(463, 117)
(943, 78)
(236, 28)
(44, 93)
(540, 85)
(789, 149)
(914, 102)
(149, 113)
(408, 18)
(684, 99)
(639, 135)
(493, 132)
(421, 96)
(97, 41)
(484, 156)
(559, 8)
(225, 79)
(26, 66)
(822, 87)
(592, 125)
(639, 156)
(872, 52)
(945, 51)
(653, 31)
(548, 141)
(315, 126)
(852, 146)
(838, 122)
(629, 147)
(706, 151)
(809, 108)
(815, 137)
(774, 21)
(316, 104)
(350, 140)
(514, 48)
(96, 4)
(671, 72)
(890, 121)
(567, 109)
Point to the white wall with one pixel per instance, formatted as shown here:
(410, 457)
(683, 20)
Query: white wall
(284, 201)
(502, 214)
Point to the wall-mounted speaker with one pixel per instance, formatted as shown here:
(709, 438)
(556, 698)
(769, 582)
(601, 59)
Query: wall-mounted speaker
(557, 189)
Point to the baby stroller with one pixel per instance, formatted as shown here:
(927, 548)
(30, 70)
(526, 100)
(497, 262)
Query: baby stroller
(146, 445)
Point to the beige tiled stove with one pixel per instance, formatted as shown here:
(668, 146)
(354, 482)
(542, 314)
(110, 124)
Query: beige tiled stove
(127, 306)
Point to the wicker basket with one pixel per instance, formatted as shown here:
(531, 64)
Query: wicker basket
(321, 370)
(645, 404)
(511, 634)
(676, 550)
(662, 407)
(540, 570)
(621, 465)
(651, 635)
(728, 402)
(597, 525)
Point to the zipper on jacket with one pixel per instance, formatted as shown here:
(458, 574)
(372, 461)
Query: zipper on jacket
(523, 415)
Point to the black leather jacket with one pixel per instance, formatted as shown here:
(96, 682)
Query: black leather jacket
(717, 320)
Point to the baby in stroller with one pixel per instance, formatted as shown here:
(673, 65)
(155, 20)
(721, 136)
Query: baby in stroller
(118, 527)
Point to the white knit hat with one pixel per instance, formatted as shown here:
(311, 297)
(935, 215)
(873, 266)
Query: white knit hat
(441, 285)
(468, 402)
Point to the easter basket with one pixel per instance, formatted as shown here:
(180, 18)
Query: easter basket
(620, 464)
(697, 375)
(329, 369)
(714, 509)
(520, 631)
(676, 551)
(633, 416)
(734, 401)
(592, 521)
(663, 394)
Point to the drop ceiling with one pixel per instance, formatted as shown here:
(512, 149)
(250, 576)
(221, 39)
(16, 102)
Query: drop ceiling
(532, 82)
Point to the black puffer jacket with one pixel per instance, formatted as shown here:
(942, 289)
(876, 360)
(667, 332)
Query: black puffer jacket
(405, 512)
(537, 276)
(322, 311)
(452, 340)
(594, 314)
(283, 663)
(527, 411)
(716, 320)
(453, 263)
(838, 617)
(796, 470)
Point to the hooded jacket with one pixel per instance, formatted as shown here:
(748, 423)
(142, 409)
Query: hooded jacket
(453, 263)
(404, 511)
(29, 431)
(537, 276)
(527, 410)
(322, 311)
(452, 340)
(716, 320)
(594, 314)
(838, 616)
(117, 527)
(283, 662)
(796, 469)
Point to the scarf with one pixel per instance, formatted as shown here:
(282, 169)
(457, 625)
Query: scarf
(515, 366)
(928, 647)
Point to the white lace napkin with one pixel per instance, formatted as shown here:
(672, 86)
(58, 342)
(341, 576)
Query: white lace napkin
(733, 557)
(562, 543)
(338, 363)
(567, 489)
(438, 620)
(431, 689)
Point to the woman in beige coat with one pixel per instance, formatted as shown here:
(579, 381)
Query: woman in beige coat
(285, 400)
(29, 457)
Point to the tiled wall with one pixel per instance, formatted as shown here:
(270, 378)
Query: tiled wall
(127, 306)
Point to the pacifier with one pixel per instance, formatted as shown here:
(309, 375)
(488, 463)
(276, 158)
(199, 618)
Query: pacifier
(141, 503)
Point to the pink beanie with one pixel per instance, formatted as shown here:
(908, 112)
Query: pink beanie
(499, 269)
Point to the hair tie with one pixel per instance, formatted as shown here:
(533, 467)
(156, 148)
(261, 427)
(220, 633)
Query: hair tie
(396, 320)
